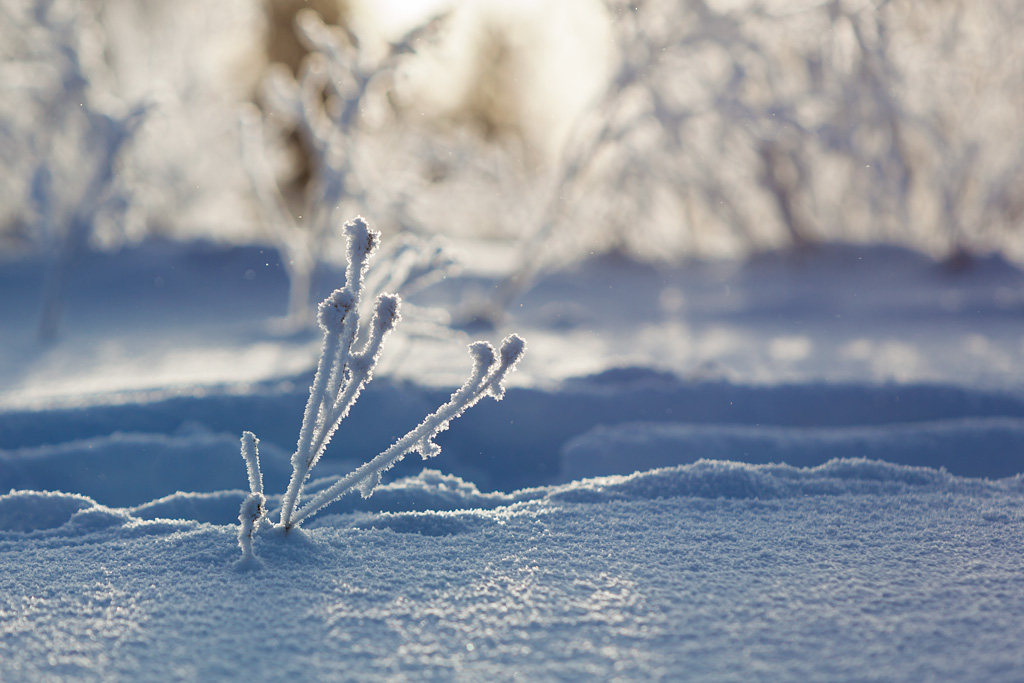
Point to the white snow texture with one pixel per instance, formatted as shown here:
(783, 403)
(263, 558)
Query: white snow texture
(712, 571)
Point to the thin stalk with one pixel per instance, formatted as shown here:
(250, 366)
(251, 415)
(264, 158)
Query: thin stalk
(486, 378)
(300, 460)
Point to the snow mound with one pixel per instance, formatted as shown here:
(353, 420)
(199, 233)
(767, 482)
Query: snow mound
(459, 508)
(722, 479)
(433, 503)
(35, 511)
(217, 507)
(430, 490)
(126, 469)
(615, 422)
(977, 447)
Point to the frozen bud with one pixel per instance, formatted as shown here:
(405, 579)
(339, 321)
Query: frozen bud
(439, 257)
(279, 86)
(251, 122)
(483, 356)
(314, 67)
(361, 239)
(251, 513)
(334, 308)
(250, 453)
(387, 312)
(512, 349)
(253, 509)
(249, 444)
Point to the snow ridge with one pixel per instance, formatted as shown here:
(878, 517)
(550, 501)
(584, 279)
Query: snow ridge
(432, 496)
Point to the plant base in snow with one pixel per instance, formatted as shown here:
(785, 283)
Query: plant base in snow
(341, 374)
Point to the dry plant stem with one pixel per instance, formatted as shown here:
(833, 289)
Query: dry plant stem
(340, 374)
(250, 452)
(486, 379)
(362, 365)
(253, 509)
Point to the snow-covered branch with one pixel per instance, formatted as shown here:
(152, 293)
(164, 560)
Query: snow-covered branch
(342, 372)
(347, 359)
(253, 509)
(486, 379)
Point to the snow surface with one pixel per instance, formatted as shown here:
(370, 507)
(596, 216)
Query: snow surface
(713, 571)
(618, 515)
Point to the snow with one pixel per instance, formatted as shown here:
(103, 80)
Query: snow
(761, 267)
(711, 571)
(790, 470)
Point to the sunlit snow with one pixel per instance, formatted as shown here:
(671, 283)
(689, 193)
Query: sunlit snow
(765, 257)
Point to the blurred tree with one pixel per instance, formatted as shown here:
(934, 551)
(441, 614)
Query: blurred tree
(731, 127)
(325, 106)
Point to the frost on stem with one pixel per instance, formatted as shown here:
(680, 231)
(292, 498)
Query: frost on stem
(251, 455)
(249, 517)
(487, 379)
(253, 508)
(342, 372)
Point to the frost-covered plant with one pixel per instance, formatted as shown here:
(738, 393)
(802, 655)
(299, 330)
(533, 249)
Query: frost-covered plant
(347, 360)
(254, 506)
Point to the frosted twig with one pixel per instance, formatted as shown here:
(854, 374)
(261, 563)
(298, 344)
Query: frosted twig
(253, 509)
(486, 379)
(249, 517)
(341, 374)
(251, 455)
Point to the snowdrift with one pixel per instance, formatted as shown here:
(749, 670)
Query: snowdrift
(853, 569)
